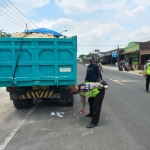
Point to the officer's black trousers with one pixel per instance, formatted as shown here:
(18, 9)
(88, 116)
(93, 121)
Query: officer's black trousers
(147, 81)
(95, 106)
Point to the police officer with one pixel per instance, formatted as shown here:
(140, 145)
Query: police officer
(146, 73)
(94, 90)
(92, 75)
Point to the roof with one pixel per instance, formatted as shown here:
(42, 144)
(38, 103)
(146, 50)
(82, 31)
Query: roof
(144, 45)
(128, 52)
(120, 49)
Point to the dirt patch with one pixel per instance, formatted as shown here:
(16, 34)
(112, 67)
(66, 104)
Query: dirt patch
(123, 81)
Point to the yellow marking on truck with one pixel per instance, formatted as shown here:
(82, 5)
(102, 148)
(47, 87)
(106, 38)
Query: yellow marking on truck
(23, 96)
(46, 94)
(33, 94)
(37, 94)
(41, 94)
(28, 95)
(50, 94)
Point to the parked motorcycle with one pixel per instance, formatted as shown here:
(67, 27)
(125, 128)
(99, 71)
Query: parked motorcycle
(132, 67)
(120, 67)
(126, 67)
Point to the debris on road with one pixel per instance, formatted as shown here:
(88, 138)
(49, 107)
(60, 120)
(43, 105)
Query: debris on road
(76, 116)
(60, 114)
(52, 114)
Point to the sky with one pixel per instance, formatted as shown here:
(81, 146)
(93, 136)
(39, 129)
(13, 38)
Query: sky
(98, 24)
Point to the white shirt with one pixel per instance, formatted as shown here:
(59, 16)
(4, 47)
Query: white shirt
(145, 64)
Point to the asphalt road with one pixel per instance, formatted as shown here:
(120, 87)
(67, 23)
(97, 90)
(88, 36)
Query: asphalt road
(124, 122)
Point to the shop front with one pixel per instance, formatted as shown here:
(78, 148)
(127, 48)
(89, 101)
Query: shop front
(131, 57)
(137, 53)
(144, 55)
(108, 57)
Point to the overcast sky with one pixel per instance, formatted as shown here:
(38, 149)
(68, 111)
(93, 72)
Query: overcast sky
(98, 24)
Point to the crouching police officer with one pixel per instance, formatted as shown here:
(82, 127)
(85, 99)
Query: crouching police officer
(96, 91)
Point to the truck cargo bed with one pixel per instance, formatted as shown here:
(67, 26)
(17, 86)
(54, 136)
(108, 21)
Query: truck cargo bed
(43, 61)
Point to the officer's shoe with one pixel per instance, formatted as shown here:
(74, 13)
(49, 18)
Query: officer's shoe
(89, 115)
(92, 125)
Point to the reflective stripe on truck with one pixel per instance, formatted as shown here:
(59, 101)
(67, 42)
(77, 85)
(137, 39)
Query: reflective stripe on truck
(39, 94)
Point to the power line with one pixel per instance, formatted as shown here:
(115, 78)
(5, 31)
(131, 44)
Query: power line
(12, 18)
(14, 13)
(21, 13)
(12, 21)
(26, 22)
(98, 45)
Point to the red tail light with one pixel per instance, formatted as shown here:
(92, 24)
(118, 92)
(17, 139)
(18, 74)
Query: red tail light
(12, 88)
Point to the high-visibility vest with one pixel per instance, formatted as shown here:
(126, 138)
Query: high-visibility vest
(89, 92)
(148, 68)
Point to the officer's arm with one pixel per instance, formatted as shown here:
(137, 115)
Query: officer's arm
(83, 100)
(96, 85)
(144, 71)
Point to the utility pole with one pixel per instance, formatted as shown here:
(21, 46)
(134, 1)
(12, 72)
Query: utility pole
(26, 26)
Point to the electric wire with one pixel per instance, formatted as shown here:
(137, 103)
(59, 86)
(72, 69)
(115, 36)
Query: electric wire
(21, 13)
(15, 14)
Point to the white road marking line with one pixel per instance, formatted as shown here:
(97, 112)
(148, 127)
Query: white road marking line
(116, 81)
(10, 136)
(84, 134)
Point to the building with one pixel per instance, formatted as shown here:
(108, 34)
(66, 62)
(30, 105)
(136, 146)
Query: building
(137, 52)
(111, 57)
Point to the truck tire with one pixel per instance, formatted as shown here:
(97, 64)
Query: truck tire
(27, 103)
(17, 104)
(66, 98)
(69, 103)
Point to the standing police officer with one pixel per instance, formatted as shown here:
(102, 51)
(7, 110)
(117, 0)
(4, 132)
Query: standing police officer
(92, 75)
(146, 73)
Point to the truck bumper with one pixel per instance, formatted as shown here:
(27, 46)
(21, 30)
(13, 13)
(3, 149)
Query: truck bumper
(34, 95)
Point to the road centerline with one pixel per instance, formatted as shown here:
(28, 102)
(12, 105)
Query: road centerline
(116, 81)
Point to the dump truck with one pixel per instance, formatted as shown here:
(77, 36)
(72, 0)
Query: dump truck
(38, 68)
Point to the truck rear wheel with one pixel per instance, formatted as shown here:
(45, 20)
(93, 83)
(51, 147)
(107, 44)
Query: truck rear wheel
(17, 103)
(66, 103)
(27, 103)
(69, 103)
(66, 98)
